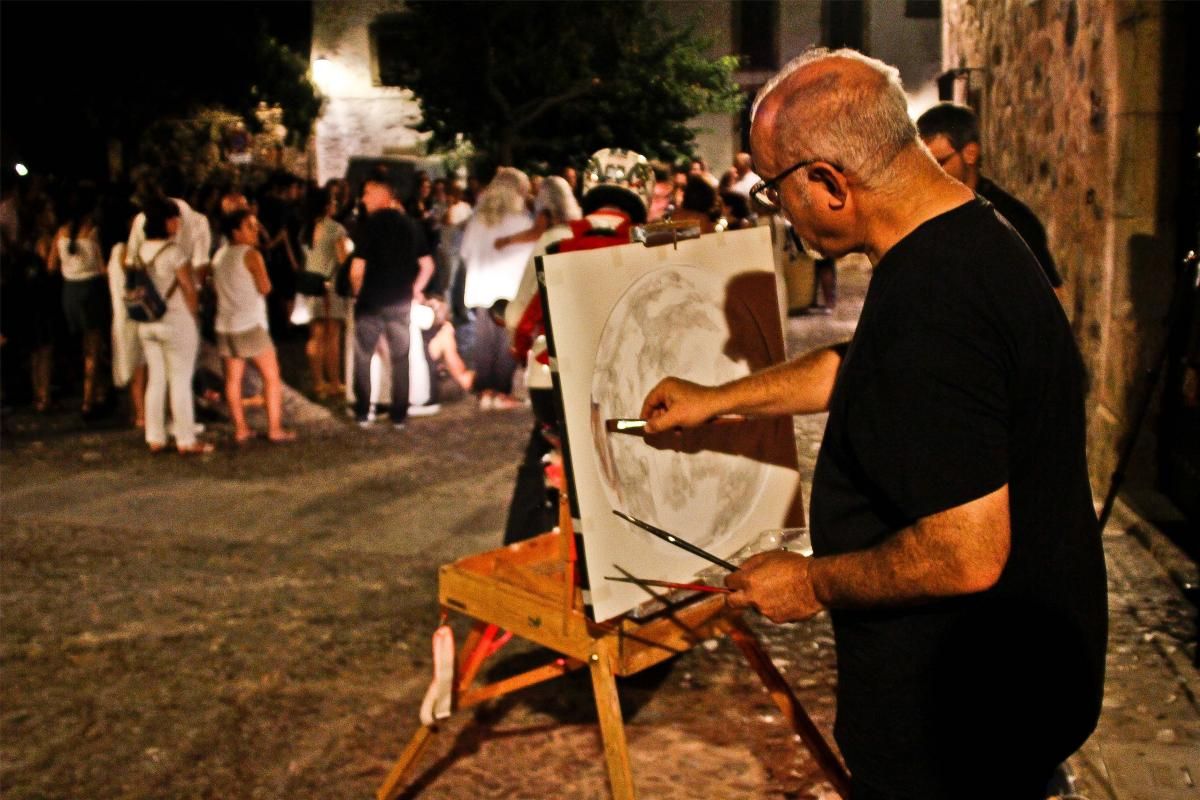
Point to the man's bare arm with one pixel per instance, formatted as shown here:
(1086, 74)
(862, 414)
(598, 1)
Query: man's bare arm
(961, 550)
(800, 386)
(426, 265)
(358, 269)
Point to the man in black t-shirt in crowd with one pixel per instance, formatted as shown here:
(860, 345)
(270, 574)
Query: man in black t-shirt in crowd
(954, 537)
(951, 132)
(391, 265)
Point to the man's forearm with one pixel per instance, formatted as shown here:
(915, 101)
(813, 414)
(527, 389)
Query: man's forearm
(962, 550)
(800, 386)
(426, 265)
(358, 269)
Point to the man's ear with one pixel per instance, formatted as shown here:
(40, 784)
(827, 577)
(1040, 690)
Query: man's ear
(830, 187)
(970, 154)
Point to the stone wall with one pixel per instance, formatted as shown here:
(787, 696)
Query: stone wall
(1077, 122)
(360, 118)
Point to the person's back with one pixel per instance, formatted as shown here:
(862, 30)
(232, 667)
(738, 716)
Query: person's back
(161, 258)
(85, 262)
(388, 242)
(322, 257)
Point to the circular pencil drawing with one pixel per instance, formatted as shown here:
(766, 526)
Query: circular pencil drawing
(670, 322)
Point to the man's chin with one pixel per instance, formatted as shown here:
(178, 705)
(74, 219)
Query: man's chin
(810, 251)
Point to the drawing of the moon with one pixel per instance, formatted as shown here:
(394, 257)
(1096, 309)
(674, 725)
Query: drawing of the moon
(670, 322)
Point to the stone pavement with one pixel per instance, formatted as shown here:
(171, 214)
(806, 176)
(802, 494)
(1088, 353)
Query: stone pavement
(256, 623)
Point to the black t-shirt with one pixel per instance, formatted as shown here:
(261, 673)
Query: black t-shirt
(1026, 223)
(390, 243)
(963, 376)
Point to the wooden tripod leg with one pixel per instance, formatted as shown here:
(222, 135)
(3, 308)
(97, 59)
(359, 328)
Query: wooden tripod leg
(788, 703)
(612, 728)
(395, 779)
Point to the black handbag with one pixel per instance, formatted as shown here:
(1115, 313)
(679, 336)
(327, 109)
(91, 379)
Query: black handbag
(310, 283)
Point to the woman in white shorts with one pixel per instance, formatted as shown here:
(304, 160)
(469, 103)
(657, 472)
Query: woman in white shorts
(240, 278)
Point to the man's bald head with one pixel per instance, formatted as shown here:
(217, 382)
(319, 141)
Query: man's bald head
(841, 107)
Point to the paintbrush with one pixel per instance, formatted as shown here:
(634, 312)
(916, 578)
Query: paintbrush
(695, 587)
(675, 540)
(637, 427)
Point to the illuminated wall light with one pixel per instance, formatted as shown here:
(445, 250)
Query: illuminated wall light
(21, 170)
(323, 72)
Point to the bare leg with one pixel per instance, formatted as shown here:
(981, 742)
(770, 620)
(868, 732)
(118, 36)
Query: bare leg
(91, 356)
(235, 368)
(137, 395)
(42, 366)
(315, 350)
(445, 346)
(333, 355)
(268, 365)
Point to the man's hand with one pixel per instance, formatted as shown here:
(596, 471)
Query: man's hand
(676, 403)
(777, 584)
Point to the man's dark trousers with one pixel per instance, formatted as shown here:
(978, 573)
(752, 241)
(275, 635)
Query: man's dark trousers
(369, 325)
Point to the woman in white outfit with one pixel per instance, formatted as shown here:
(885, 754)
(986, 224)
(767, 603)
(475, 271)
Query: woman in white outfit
(171, 343)
(492, 275)
(240, 278)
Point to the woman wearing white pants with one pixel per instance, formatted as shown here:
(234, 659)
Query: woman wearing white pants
(171, 343)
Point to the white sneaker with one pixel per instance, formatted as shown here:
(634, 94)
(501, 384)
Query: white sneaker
(427, 410)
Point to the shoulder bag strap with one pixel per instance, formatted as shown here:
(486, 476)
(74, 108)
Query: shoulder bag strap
(175, 281)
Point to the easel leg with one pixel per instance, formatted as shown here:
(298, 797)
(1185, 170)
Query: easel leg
(788, 703)
(395, 779)
(612, 728)
(475, 651)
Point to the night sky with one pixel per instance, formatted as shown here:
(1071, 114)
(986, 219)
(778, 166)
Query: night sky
(73, 74)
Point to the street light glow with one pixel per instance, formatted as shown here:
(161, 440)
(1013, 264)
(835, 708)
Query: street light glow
(21, 170)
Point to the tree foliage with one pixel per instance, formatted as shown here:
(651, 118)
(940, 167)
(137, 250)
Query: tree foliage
(530, 83)
(121, 69)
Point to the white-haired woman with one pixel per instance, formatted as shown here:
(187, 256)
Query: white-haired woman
(492, 276)
(557, 205)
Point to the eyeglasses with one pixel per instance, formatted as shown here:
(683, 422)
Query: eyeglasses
(766, 193)
(942, 161)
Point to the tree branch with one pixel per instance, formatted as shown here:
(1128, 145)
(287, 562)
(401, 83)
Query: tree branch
(578, 90)
(492, 89)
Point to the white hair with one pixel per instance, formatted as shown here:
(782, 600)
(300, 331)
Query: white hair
(503, 196)
(556, 199)
(858, 125)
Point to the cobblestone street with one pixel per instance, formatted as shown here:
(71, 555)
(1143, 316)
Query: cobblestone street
(255, 624)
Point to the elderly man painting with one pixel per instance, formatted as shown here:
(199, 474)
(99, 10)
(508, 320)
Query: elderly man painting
(955, 542)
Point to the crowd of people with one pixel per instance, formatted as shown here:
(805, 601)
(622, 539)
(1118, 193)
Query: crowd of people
(244, 267)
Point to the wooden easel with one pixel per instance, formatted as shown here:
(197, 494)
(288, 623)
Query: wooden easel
(529, 589)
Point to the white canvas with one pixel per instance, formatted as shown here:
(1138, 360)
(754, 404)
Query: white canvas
(624, 317)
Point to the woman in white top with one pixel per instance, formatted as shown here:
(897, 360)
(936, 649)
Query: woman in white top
(240, 278)
(491, 275)
(75, 253)
(171, 343)
(324, 251)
